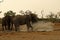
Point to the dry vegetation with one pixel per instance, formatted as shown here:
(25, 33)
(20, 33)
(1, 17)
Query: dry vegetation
(54, 35)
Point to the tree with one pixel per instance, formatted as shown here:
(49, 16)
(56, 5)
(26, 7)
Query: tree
(0, 11)
(58, 17)
(22, 12)
(51, 17)
(0, 18)
(28, 12)
(9, 13)
(42, 13)
(58, 14)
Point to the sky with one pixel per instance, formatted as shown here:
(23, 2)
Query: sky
(33, 5)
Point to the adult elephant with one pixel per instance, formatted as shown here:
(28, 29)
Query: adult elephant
(6, 22)
(24, 19)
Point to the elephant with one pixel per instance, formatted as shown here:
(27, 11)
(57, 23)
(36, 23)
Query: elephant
(6, 21)
(18, 20)
(24, 19)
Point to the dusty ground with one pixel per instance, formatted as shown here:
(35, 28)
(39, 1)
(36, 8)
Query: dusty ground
(30, 35)
(54, 35)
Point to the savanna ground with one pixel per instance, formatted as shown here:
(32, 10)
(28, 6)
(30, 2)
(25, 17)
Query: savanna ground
(54, 35)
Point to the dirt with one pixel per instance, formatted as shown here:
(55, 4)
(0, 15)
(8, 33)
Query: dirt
(53, 35)
(30, 35)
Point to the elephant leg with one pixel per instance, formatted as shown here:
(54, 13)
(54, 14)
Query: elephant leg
(5, 27)
(8, 26)
(2, 28)
(11, 26)
(29, 26)
(16, 27)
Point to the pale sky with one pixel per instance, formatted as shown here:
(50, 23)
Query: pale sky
(33, 5)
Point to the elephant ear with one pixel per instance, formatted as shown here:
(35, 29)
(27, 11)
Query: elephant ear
(34, 18)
